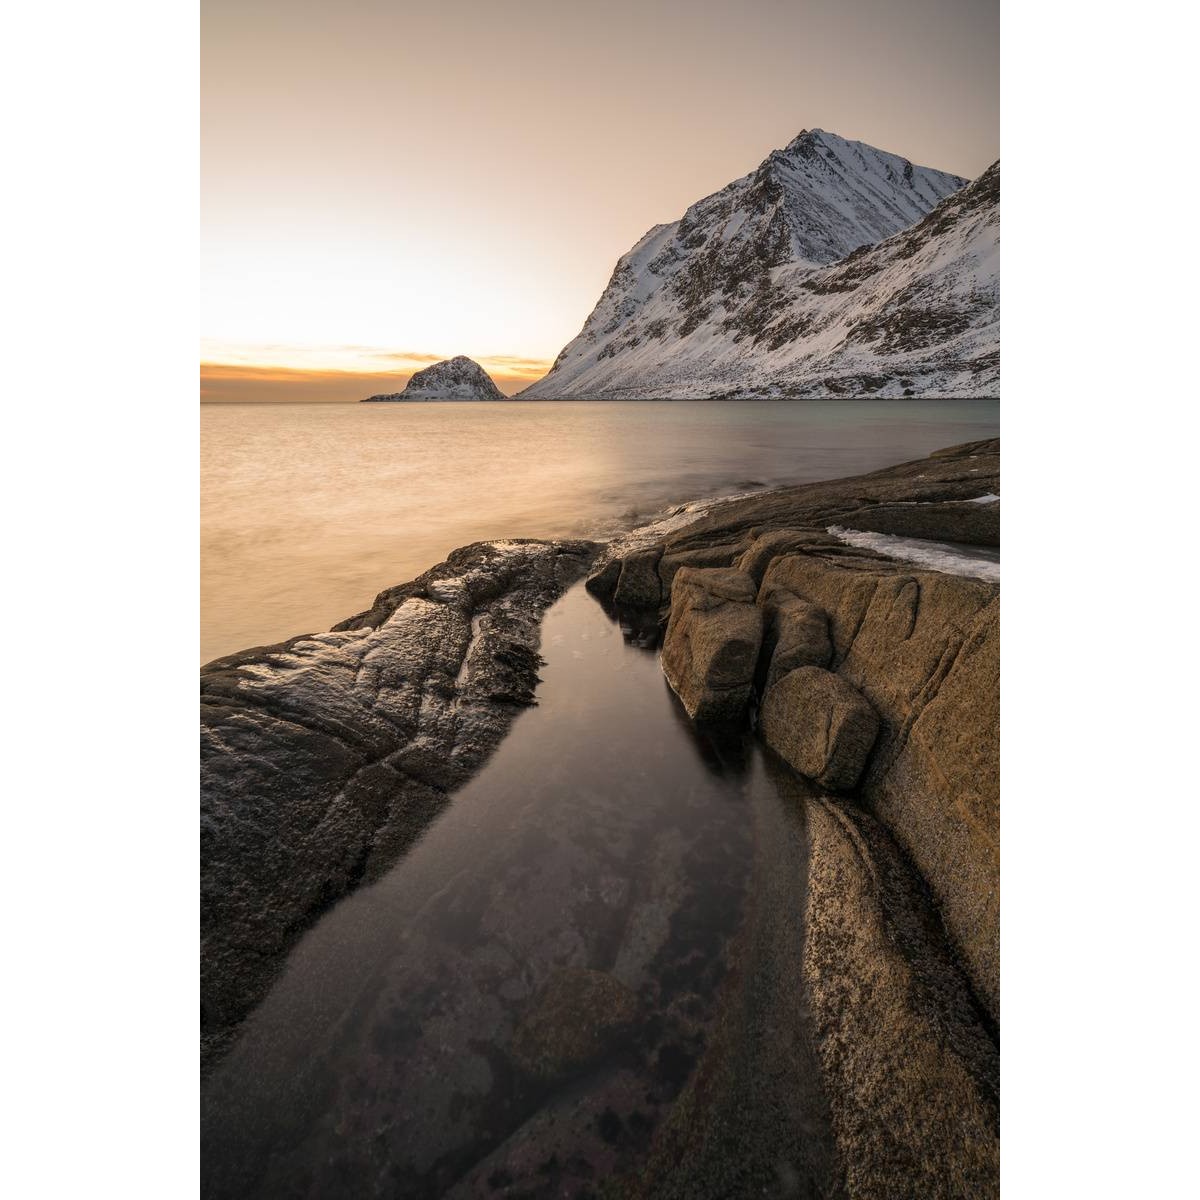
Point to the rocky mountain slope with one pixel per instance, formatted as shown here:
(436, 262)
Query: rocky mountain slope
(834, 269)
(458, 378)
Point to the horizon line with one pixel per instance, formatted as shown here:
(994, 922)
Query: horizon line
(277, 383)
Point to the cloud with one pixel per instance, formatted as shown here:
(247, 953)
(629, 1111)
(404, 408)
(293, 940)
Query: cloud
(235, 383)
(406, 356)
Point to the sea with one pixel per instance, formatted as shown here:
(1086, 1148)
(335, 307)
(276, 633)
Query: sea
(309, 510)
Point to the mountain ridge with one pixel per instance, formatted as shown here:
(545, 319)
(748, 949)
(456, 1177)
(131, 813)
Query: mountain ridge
(700, 307)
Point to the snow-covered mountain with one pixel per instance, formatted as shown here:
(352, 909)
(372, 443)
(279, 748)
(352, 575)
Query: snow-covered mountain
(458, 378)
(833, 269)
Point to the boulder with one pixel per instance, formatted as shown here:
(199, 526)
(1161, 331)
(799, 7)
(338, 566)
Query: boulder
(776, 542)
(706, 556)
(796, 634)
(820, 725)
(576, 1018)
(712, 642)
(639, 585)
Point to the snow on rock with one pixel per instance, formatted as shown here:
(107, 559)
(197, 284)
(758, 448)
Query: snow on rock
(459, 378)
(934, 556)
(834, 269)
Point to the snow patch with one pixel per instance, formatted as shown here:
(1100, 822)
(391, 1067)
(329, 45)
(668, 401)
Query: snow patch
(815, 275)
(933, 555)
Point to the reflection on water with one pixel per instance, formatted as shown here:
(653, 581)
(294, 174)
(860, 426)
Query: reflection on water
(605, 833)
(309, 510)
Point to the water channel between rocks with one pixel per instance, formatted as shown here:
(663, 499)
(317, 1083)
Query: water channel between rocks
(605, 833)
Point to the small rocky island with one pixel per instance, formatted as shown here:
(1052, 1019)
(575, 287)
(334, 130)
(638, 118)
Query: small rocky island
(847, 1043)
(458, 378)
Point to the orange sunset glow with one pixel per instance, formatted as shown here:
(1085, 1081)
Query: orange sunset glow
(254, 375)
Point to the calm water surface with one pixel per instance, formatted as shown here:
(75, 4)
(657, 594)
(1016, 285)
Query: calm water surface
(606, 833)
(308, 510)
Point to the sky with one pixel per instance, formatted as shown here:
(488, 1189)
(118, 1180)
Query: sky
(387, 183)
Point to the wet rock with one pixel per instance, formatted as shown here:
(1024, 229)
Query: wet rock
(602, 582)
(577, 1018)
(968, 522)
(639, 585)
(968, 449)
(753, 1118)
(712, 642)
(796, 634)
(324, 756)
(820, 725)
(956, 473)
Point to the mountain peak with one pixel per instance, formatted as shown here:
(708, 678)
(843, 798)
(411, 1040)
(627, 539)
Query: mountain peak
(812, 138)
(736, 288)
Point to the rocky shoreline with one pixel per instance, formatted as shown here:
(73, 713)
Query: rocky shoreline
(879, 683)
(323, 757)
(857, 1035)
(876, 677)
